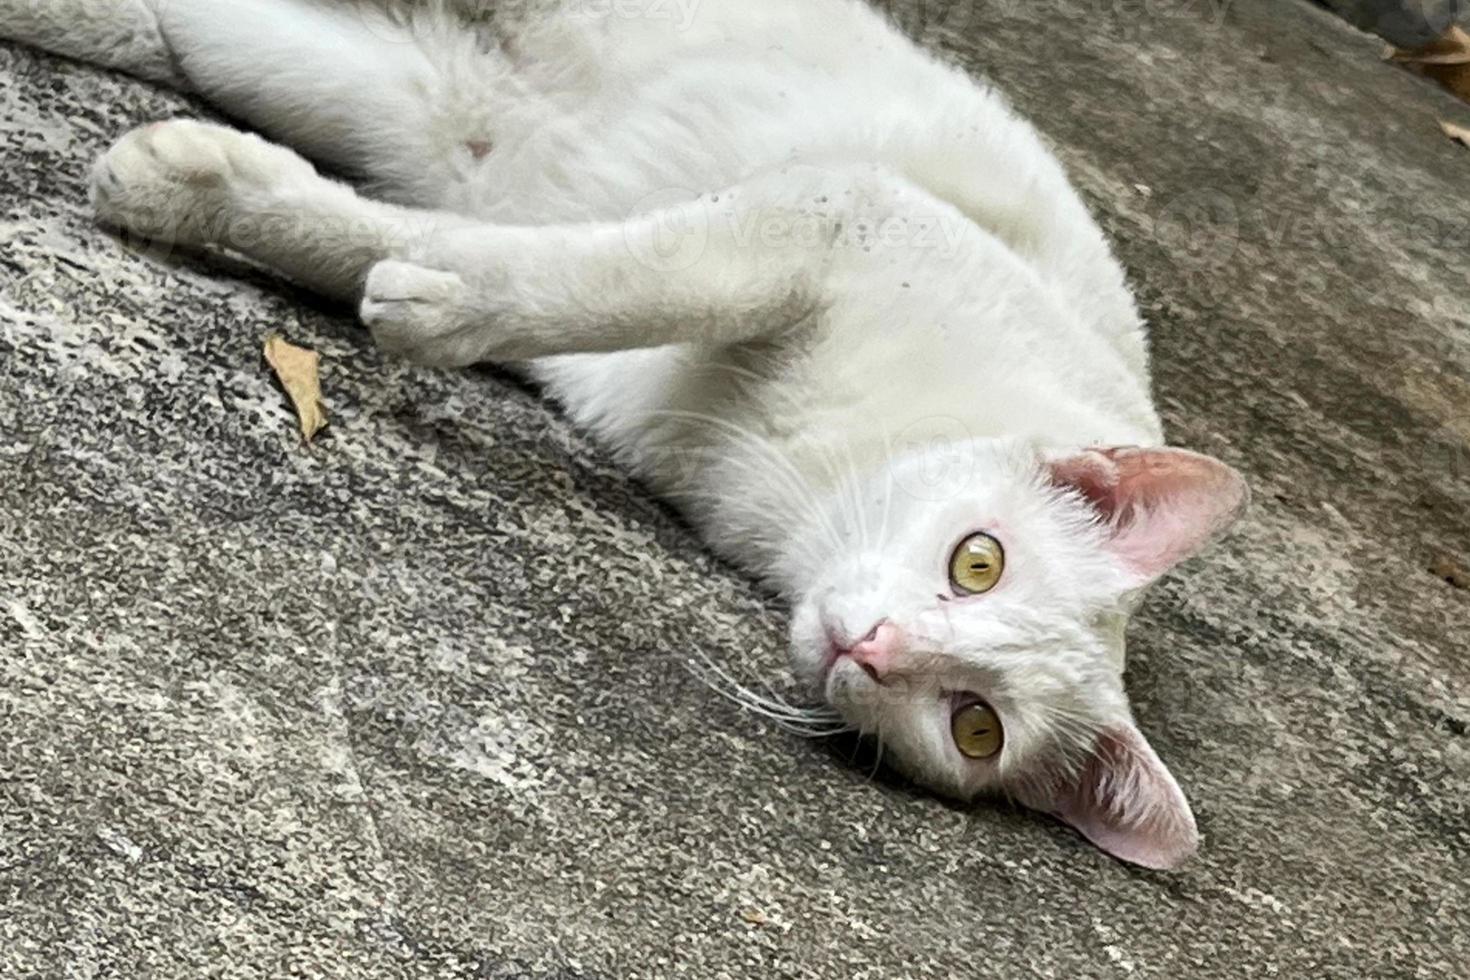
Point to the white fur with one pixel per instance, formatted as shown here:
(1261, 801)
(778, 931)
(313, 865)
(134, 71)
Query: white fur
(826, 293)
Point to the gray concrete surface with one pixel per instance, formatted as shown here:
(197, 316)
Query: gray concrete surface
(352, 713)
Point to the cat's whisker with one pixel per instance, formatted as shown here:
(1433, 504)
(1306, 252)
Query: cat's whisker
(791, 478)
(804, 726)
(783, 719)
(816, 722)
(888, 491)
(846, 491)
(816, 508)
(713, 498)
(854, 487)
(878, 758)
(810, 549)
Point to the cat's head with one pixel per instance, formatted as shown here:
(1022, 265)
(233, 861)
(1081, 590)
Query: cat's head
(980, 636)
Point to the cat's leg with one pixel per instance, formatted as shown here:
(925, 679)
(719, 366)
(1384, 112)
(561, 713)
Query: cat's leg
(122, 34)
(399, 100)
(390, 99)
(724, 269)
(197, 184)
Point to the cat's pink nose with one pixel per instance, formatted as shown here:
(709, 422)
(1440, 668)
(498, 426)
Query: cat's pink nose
(877, 652)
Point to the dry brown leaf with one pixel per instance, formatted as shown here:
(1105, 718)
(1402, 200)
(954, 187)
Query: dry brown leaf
(297, 368)
(1450, 48)
(1446, 59)
(1451, 571)
(1460, 134)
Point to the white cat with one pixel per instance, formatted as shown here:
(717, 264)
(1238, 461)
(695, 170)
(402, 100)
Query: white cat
(824, 292)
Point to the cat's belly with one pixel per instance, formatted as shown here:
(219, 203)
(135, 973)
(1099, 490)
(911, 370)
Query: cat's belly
(611, 159)
(605, 116)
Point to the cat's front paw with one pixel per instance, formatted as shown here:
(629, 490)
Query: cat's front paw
(181, 181)
(422, 314)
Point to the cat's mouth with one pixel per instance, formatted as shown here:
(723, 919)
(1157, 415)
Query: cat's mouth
(837, 659)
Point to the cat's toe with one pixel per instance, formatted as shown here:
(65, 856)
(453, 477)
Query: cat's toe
(420, 313)
(174, 180)
(129, 193)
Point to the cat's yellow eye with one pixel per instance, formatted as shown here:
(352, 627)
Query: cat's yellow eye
(977, 731)
(977, 565)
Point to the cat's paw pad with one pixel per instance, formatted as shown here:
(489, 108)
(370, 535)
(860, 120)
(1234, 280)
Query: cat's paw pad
(420, 313)
(173, 180)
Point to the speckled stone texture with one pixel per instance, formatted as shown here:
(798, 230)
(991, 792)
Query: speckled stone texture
(412, 704)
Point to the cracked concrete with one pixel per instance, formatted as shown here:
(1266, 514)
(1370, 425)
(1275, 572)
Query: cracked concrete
(344, 713)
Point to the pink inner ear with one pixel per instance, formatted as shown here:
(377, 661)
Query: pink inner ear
(1160, 505)
(1126, 802)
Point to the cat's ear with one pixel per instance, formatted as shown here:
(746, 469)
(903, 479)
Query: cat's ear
(1125, 801)
(1160, 505)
